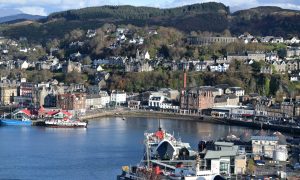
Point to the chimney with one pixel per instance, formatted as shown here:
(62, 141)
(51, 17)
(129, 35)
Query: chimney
(184, 80)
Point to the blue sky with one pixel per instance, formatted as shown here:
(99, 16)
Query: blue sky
(44, 7)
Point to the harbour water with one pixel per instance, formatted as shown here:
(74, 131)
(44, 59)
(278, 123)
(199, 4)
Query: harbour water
(97, 152)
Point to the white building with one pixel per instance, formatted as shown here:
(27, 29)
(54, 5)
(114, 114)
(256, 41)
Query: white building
(238, 91)
(147, 56)
(24, 50)
(293, 40)
(24, 65)
(105, 98)
(225, 159)
(219, 67)
(156, 101)
(264, 145)
(118, 97)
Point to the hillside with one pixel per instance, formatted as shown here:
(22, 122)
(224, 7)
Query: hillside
(213, 17)
(266, 20)
(19, 17)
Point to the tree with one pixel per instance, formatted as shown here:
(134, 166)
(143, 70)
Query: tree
(39, 76)
(251, 166)
(87, 60)
(76, 34)
(74, 77)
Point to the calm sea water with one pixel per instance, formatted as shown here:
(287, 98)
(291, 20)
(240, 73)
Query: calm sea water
(97, 152)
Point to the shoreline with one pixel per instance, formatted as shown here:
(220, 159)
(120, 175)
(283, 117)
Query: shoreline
(205, 119)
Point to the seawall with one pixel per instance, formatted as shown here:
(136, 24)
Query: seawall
(195, 118)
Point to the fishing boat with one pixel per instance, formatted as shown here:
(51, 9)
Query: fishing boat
(20, 117)
(16, 122)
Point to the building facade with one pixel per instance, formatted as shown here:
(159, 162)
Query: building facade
(72, 101)
(197, 99)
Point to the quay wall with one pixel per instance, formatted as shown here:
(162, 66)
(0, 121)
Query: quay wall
(196, 118)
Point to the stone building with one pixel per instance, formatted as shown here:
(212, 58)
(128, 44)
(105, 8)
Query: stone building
(197, 99)
(292, 65)
(292, 51)
(198, 40)
(72, 101)
(93, 101)
(8, 90)
(226, 100)
(70, 66)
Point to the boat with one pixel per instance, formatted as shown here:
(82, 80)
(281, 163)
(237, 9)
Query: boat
(165, 146)
(162, 151)
(16, 118)
(16, 122)
(65, 123)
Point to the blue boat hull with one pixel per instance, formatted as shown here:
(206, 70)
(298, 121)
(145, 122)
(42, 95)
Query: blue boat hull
(14, 122)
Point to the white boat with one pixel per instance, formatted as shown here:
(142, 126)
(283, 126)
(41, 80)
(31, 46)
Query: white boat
(65, 123)
(165, 146)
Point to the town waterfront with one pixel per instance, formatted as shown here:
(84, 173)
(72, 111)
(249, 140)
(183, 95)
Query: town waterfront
(97, 152)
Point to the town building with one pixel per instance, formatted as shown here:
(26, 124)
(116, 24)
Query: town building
(238, 91)
(8, 90)
(70, 66)
(264, 145)
(197, 99)
(226, 100)
(292, 51)
(133, 104)
(118, 97)
(224, 159)
(72, 102)
(198, 40)
(93, 101)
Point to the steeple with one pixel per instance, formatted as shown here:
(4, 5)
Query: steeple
(137, 56)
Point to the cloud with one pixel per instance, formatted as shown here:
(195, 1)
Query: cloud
(33, 10)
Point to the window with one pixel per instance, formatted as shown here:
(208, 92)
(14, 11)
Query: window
(224, 167)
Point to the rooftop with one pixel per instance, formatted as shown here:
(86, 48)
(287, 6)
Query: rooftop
(218, 154)
(221, 143)
(265, 138)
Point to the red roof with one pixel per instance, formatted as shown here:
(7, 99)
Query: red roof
(42, 109)
(26, 111)
(52, 113)
(66, 113)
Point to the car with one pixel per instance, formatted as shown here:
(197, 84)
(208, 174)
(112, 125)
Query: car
(260, 163)
(297, 166)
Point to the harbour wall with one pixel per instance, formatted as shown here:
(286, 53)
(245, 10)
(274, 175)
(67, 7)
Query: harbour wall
(196, 118)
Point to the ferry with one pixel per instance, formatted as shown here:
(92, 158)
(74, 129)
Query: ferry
(162, 151)
(165, 146)
(65, 123)
(61, 119)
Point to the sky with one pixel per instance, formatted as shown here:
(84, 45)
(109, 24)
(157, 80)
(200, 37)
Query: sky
(45, 7)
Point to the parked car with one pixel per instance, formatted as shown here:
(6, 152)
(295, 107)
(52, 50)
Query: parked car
(297, 166)
(260, 163)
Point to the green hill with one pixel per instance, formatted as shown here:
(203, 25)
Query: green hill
(266, 20)
(213, 17)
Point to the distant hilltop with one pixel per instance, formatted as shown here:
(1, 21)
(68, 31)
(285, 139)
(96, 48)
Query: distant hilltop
(212, 17)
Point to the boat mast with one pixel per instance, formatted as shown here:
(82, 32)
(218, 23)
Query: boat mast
(147, 152)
